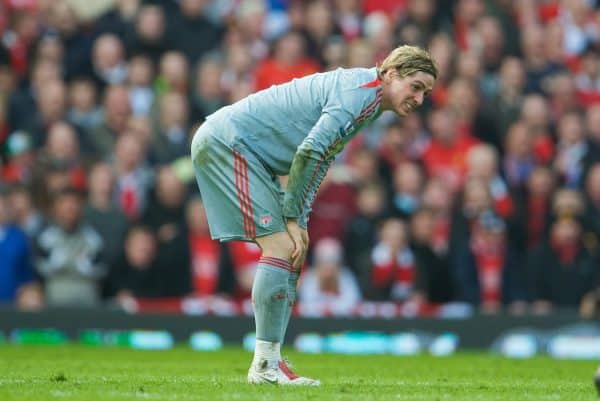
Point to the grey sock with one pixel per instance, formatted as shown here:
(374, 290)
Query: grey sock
(270, 297)
(292, 295)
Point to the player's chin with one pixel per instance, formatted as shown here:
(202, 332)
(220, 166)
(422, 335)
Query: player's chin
(402, 112)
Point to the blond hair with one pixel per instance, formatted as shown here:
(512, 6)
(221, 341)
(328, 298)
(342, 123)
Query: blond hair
(408, 60)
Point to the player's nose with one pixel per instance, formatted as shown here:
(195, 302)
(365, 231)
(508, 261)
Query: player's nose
(419, 98)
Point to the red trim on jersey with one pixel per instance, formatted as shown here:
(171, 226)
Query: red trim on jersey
(370, 108)
(372, 84)
(286, 371)
(240, 168)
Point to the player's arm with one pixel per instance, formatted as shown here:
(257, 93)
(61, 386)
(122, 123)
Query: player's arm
(310, 164)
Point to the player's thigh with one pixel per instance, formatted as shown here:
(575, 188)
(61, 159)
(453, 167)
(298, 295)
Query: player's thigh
(278, 245)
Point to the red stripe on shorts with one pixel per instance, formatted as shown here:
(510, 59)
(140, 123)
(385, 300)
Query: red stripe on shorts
(237, 168)
(246, 193)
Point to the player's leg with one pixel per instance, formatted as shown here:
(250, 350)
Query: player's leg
(270, 296)
(272, 308)
(243, 202)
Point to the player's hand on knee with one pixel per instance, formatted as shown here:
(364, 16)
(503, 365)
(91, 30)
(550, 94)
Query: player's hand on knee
(295, 233)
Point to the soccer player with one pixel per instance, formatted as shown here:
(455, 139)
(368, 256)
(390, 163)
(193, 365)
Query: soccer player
(293, 129)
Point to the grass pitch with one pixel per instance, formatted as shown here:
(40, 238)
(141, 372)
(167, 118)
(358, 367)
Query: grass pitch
(75, 372)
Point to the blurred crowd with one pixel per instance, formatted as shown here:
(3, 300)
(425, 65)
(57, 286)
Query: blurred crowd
(488, 196)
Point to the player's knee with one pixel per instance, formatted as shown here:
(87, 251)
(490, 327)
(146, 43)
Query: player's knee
(270, 295)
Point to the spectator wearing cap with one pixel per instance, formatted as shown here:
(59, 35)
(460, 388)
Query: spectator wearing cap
(70, 254)
(328, 287)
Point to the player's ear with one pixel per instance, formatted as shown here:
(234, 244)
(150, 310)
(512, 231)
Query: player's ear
(389, 75)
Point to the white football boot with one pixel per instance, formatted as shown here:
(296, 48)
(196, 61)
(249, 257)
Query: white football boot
(277, 373)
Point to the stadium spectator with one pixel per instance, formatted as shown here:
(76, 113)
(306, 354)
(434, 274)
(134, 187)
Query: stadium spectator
(133, 178)
(206, 254)
(207, 94)
(445, 156)
(433, 282)
(108, 60)
(148, 36)
(171, 140)
(563, 269)
(529, 224)
(328, 287)
(536, 117)
(482, 164)
(361, 233)
(116, 110)
(135, 274)
(24, 211)
(439, 200)
(333, 207)
(83, 109)
(173, 73)
(165, 216)
(102, 213)
(70, 255)
(488, 272)
(62, 148)
(518, 161)
(571, 149)
(20, 159)
(244, 261)
(17, 284)
(592, 198)
(407, 187)
(140, 72)
(289, 61)
(187, 25)
(392, 275)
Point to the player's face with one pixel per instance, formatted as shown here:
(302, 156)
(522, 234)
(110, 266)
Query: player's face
(404, 95)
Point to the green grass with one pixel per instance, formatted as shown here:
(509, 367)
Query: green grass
(86, 373)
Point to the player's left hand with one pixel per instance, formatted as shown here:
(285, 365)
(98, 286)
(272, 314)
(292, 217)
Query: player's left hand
(300, 238)
(302, 259)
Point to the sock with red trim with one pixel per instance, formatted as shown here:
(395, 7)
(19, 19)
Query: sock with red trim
(292, 290)
(270, 297)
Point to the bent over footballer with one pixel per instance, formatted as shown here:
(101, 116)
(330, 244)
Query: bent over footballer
(293, 129)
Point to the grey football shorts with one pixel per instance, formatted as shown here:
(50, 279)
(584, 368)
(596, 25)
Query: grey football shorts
(243, 200)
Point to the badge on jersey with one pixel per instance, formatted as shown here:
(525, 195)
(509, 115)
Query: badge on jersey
(265, 220)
